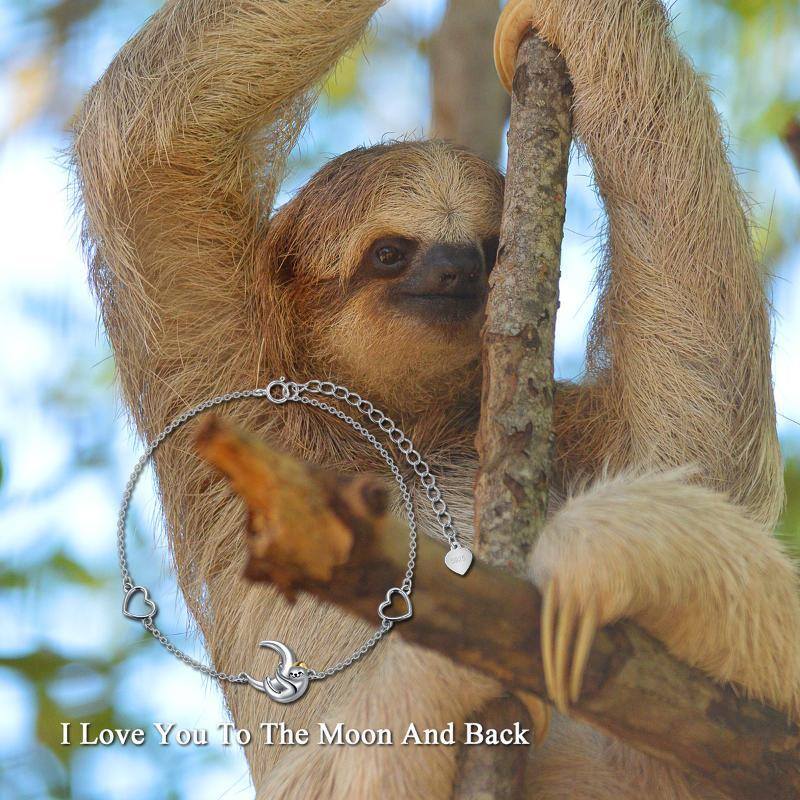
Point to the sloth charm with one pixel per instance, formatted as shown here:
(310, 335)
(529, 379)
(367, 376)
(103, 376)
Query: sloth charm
(291, 679)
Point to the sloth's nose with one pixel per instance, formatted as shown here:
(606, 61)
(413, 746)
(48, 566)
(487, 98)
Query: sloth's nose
(451, 270)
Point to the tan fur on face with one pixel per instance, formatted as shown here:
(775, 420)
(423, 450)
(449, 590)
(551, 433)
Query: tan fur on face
(430, 192)
(179, 150)
(401, 363)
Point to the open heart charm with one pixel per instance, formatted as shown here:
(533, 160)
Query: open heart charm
(152, 608)
(389, 617)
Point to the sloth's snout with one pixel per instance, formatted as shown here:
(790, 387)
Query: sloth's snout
(445, 283)
(449, 270)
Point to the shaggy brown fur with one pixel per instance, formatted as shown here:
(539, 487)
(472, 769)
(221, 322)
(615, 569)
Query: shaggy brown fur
(203, 292)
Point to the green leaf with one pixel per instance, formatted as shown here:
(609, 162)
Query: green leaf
(773, 120)
(747, 9)
(69, 569)
(789, 530)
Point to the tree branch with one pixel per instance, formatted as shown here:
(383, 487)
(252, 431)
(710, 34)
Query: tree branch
(489, 621)
(515, 438)
(469, 105)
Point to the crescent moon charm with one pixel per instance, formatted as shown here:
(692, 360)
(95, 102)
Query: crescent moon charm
(291, 678)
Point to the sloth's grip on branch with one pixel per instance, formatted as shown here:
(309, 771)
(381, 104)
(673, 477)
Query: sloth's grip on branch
(330, 535)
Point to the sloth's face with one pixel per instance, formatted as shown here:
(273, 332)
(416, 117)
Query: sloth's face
(443, 284)
(391, 250)
(406, 326)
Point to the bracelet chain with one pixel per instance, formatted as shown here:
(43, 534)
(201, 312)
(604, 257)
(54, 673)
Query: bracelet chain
(278, 392)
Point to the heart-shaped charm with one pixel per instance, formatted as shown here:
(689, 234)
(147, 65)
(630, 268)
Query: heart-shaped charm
(151, 611)
(388, 601)
(459, 559)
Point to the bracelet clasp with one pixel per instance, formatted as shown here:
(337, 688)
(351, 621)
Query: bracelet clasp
(281, 391)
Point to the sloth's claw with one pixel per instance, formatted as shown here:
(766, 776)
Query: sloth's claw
(583, 646)
(564, 632)
(540, 717)
(548, 615)
(567, 634)
(512, 25)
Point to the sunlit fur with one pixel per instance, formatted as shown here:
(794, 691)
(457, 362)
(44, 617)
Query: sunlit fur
(202, 292)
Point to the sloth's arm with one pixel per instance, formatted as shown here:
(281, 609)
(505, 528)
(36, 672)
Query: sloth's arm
(178, 152)
(686, 564)
(680, 348)
(680, 367)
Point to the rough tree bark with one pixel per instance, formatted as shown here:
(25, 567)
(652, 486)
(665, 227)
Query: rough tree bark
(490, 621)
(469, 105)
(515, 439)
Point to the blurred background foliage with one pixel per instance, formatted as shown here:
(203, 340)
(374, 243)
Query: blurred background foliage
(66, 654)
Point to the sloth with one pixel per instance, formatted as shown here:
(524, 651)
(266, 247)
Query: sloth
(289, 682)
(667, 479)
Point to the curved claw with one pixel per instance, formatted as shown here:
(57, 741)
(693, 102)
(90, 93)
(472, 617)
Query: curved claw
(567, 634)
(564, 631)
(548, 616)
(541, 714)
(512, 25)
(583, 646)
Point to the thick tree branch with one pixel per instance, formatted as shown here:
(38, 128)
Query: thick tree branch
(515, 439)
(489, 620)
(469, 105)
(284, 495)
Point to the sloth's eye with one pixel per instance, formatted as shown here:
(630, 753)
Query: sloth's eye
(388, 255)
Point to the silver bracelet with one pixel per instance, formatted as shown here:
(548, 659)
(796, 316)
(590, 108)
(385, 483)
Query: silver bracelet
(292, 677)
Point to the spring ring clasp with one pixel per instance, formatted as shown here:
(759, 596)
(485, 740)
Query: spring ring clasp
(281, 391)
(282, 388)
